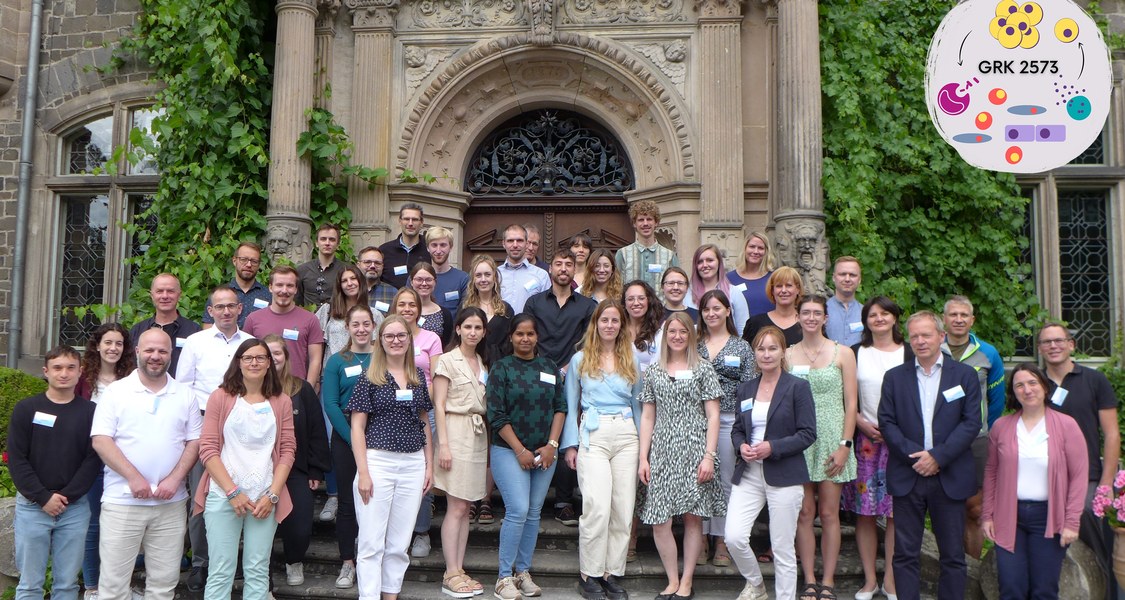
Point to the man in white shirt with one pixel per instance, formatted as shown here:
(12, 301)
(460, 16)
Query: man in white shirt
(519, 279)
(204, 360)
(146, 431)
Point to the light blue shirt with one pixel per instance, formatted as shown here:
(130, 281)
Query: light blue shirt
(928, 388)
(845, 323)
(520, 282)
(608, 395)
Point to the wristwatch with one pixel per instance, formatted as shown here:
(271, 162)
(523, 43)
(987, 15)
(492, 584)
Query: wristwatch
(846, 443)
(273, 498)
(553, 444)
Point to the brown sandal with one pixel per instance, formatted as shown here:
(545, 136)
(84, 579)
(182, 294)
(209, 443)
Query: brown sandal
(457, 586)
(811, 591)
(478, 587)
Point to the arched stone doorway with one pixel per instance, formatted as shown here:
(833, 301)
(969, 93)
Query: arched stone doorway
(558, 170)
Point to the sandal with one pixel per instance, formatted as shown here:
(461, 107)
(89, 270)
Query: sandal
(766, 557)
(827, 592)
(456, 586)
(472, 512)
(478, 587)
(631, 555)
(810, 592)
(484, 515)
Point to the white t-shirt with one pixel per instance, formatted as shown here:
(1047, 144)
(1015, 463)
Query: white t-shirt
(151, 429)
(248, 439)
(204, 360)
(870, 366)
(1031, 474)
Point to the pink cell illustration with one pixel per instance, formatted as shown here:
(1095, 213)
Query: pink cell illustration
(950, 102)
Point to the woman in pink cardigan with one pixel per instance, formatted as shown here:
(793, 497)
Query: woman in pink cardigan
(248, 447)
(1034, 488)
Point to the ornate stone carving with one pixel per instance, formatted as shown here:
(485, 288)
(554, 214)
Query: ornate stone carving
(326, 13)
(669, 57)
(459, 14)
(420, 62)
(666, 236)
(305, 5)
(801, 244)
(719, 8)
(284, 239)
(541, 13)
(573, 12)
(372, 14)
(729, 240)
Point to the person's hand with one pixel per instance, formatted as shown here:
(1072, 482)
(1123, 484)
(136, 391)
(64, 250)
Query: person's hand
(140, 488)
(445, 457)
(547, 456)
(571, 457)
(428, 483)
(835, 463)
(365, 486)
(988, 531)
(313, 484)
(263, 507)
(746, 452)
(167, 488)
(869, 429)
(1067, 537)
(56, 505)
(643, 471)
(526, 459)
(762, 450)
(924, 464)
(706, 470)
(241, 504)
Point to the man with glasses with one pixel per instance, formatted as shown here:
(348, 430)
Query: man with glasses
(252, 295)
(204, 359)
(519, 279)
(165, 294)
(1087, 396)
(532, 253)
(406, 250)
(318, 276)
(379, 293)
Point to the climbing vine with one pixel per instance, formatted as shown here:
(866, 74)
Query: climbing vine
(924, 223)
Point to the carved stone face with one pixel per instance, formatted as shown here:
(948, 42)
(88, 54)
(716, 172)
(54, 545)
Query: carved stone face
(805, 240)
(675, 51)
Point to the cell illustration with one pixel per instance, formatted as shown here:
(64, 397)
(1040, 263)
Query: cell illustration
(1066, 30)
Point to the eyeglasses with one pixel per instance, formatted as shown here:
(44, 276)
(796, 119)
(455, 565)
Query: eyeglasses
(675, 283)
(368, 263)
(225, 307)
(394, 337)
(243, 260)
(423, 280)
(1054, 342)
(255, 358)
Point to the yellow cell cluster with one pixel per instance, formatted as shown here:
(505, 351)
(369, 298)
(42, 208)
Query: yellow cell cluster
(1014, 24)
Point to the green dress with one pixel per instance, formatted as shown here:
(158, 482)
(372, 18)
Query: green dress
(827, 385)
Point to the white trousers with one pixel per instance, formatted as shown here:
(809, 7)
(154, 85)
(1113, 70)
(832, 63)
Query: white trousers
(717, 526)
(746, 501)
(386, 522)
(607, 475)
(126, 530)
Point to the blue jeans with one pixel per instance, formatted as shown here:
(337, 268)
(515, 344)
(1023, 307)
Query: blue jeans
(224, 528)
(523, 493)
(1032, 571)
(92, 562)
(40, 537)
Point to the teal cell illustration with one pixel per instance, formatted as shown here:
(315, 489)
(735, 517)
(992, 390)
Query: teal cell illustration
(1078, 108)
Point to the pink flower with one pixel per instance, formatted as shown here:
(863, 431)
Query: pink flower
(1119, 481)
(1101, 501)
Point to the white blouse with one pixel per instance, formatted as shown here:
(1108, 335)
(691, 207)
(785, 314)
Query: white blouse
(248, 439)
(1031, 479)
(871, 365)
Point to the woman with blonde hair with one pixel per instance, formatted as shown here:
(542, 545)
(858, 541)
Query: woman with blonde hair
(755, 266)
(602, 279)
(603, 386)
(484, 293)
(784, 288)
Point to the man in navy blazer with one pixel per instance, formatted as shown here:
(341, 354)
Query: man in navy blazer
(929, 414)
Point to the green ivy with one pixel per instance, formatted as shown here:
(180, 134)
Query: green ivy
(924, 223)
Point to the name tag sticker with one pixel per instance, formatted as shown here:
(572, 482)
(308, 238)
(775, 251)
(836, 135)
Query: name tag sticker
(531, 285)
(404, 395)
(353, 371)
(747, 404)
(417, 351)
(1059, 396)
(400, 270)
(44, 419)
(627, 413)
(800, 370)
(547, 378)
(421, 321)
(382, 307)
(263, 410)
(180, 342)
(290, 334)
(655, 268)
(740, 288)
(483, 377)
(732, 361)
(454, 295)
(683, 374)
(855, 327)
(259, 303)
(953, 394)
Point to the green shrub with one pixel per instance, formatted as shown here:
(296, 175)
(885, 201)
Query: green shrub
(15, 386)
(1114, 370)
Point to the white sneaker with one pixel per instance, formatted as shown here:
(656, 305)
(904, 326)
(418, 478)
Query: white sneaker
(421, 546)
(754, 592)
(136, 594)
(527, 586)
(90, 595)
(347, 576)
(506, 589)
(328, 513)
(295, 574)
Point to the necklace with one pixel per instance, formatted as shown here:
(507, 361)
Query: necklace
(812, 358)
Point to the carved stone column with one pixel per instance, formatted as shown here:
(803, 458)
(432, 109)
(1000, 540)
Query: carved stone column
(373, 22)
(287, 213)
(720, 62)
(325, 36)
(800, 219)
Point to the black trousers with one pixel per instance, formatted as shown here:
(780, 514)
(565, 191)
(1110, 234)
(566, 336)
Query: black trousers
(347, 528)
(948, 518)
(296, 529)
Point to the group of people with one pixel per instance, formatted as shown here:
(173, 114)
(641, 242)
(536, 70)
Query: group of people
(656, 394)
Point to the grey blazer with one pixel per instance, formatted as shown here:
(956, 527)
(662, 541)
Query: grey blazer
(790, 428)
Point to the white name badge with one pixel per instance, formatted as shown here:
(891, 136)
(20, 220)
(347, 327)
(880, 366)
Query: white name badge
(655, 268)
(738, 289)
(417, 351)
(264, 410)
(454, 295)
(400, 270)
(855, 327)
(547, 378)
(1059, 396)
(421, 321)
(180, 342)
(747, 404)
(683, 374)
(800, 370)
(353, 371)
(483, 377)
(382, 307)
(259, 303)
(953, 393)
(531, 285)
(44, 419)
(627, 413)
(404, 395)
(290, 334)
(732, 361)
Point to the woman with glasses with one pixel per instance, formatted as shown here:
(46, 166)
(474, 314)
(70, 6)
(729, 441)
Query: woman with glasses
(674, 284)
(248, 448)
(431, 316)
(391, 445)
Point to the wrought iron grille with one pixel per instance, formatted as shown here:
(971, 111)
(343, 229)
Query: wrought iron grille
(85, 229)
(1094, 154)
(549, 152)
(89, 147)
(1084, 268)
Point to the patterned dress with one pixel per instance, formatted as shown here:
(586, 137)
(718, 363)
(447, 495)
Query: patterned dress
(827, 385)
(679, 441)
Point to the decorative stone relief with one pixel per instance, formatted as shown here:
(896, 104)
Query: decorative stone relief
(283, 239)
(728, 240)
(541, 13)
(719, 8)
(666, 236)
(372, 14)
(801, 244)
(588, 12)
(326, 13)
(669, 57)
(459, 14)
(420, 62)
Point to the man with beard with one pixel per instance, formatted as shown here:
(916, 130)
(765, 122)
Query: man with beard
(165, 294)
(146, 430)
(299, 327)
(379, 293)
(562, 317)
(318, 276)
(519, 279)
(252, 295)
(451, 281)
(204, 360)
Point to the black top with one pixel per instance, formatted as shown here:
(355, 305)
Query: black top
(1087, 392)
(395, 257)
(691, 312)
(49, 448)
(315, 285)
(525, 394)
(312, 457)
(178, 330)
(440, 323)
(392, 424)
(560, 327)
(753, 324)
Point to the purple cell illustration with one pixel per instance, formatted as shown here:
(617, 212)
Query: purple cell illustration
(1019, 133)
(1050, 133)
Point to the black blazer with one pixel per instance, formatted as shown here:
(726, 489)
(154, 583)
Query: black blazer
(956, 424)
(312, 458)
(790, 428)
